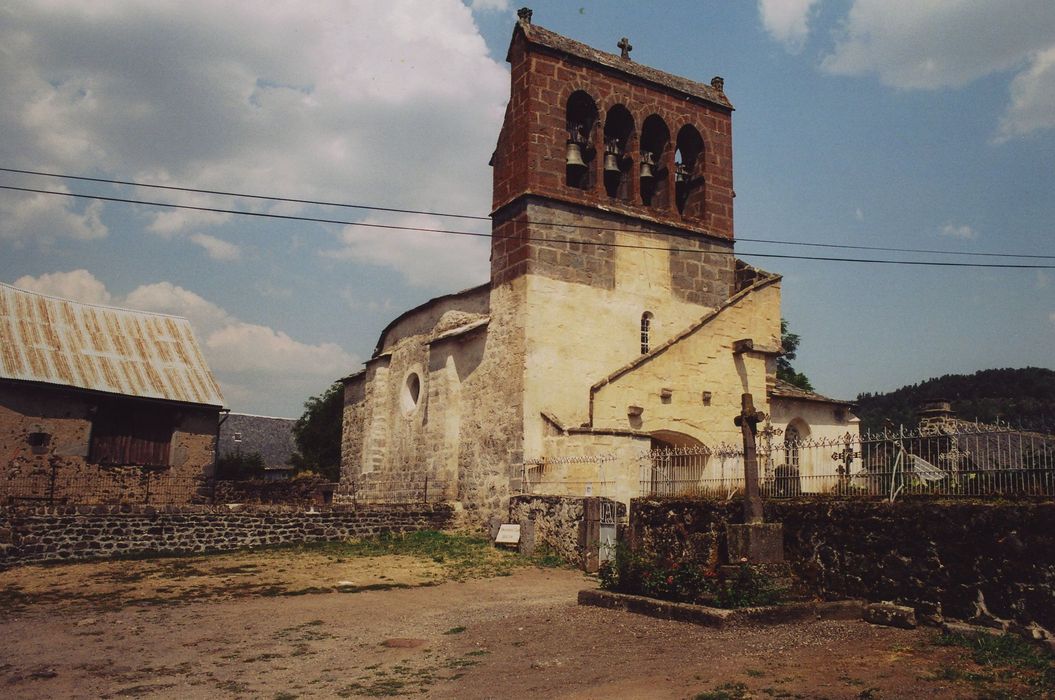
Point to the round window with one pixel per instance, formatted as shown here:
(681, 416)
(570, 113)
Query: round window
(411, 393)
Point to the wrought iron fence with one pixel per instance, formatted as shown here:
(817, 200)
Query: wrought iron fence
(949, 460)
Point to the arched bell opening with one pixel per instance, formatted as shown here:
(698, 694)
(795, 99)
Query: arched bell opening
(618, 129)
(654, 172)
(581, 118)
(688, 173)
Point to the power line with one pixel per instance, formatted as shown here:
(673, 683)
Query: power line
(242, 195)
(292, 217)
(395, 210)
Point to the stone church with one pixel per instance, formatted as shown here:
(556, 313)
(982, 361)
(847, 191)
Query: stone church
(616, 319)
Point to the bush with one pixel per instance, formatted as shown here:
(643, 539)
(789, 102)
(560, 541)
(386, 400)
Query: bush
(685, 581)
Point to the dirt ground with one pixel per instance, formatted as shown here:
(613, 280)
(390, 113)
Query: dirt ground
(281, 625)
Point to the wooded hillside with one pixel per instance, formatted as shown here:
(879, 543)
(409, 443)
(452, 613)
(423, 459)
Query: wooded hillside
(1024, 397)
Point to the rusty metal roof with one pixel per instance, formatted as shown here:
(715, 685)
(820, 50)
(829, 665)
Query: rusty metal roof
(101, 348)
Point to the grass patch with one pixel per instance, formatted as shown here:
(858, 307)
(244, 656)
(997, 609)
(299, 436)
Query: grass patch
(455, 630)
(462, 556)
(1006, 659)
(728, 691)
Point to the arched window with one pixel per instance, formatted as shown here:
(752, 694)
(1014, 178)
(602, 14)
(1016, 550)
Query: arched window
(654, 173)
(646, 328)
(581, 117)
(791, 447)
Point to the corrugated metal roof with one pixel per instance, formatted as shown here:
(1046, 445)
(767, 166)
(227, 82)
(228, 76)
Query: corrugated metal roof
(101, 348)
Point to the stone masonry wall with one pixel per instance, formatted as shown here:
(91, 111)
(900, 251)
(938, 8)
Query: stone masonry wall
(557, 521)
(966, 560)
(61, 469)
(36, 534)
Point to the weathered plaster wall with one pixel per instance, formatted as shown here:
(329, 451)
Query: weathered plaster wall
(817, 423)
(589, 464)
(948, 559)
(69, 533)
(701, 362)
(463, 433)
(66, 417)
(578, 332)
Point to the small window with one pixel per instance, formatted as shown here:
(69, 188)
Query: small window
(646, 328)
(237, 437)
(408, 399)
(131, 434)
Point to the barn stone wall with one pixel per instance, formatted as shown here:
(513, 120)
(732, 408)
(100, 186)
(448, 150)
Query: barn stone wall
(37, 534)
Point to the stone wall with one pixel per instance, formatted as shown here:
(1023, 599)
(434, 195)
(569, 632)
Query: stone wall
(39, 534)
(62, 470)
(967, 560)
(558, 523)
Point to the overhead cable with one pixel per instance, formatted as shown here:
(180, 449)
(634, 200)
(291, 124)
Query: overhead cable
(538, 239)
(472, 217)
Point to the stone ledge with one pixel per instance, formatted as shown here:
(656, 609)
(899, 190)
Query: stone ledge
(721, 617)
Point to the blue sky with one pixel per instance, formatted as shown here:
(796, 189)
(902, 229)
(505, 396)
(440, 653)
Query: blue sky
(898, 123)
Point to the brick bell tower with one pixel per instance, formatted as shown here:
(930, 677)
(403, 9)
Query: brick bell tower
(598, 152)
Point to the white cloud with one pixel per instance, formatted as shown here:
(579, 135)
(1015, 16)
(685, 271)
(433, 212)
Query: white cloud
(256, 366)
(935, 44)
(1051, 317)
(79, 285)
(424, 259)
(1043, 280)
(787, 21)
(43, 219)
(167, 298)
(962, 231)
(246, 347)
(932, 44)
(216, 248)
(1032, 98)
(858, 214)
(492, 5)
(393, 103)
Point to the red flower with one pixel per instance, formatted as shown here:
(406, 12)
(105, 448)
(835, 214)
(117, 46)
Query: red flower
(670, 580)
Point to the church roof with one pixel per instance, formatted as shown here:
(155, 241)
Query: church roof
(786, 390)
(101, 348)
(539, 36)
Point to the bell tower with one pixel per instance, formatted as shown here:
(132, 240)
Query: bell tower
(595, 146)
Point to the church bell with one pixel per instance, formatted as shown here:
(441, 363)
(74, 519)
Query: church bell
(647, 161)
(681, 174)
(574, 155)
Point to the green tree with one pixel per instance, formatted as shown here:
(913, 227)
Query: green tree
(236, 466)
(790, 343)
(318, 434)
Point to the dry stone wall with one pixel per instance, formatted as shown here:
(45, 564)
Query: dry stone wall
(70, 533)
(977, 561)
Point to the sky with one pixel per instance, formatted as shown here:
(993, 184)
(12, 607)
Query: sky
(925, 124)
